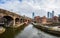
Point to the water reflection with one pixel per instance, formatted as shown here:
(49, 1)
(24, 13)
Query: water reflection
(11, 32)
(26, 32)
(31, 32)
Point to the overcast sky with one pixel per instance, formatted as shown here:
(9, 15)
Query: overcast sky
(26, 7)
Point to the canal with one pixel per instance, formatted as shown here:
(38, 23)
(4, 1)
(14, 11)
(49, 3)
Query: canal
(25, 32)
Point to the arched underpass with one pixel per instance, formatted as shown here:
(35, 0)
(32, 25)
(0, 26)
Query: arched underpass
(22, 20)
(17, 21)
(8, 21)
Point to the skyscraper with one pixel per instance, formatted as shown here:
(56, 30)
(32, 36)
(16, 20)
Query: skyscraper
(52, 13)
(48, 14)
(59, 15)
(33, 14)
(59, 18)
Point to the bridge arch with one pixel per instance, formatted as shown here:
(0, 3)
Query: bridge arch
(17, 20)
(8, 21)
(8, 18)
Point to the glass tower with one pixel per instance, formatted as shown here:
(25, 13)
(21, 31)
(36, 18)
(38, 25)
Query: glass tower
(33, 14)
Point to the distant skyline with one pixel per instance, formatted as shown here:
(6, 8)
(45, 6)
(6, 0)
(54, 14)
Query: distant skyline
(27, 7)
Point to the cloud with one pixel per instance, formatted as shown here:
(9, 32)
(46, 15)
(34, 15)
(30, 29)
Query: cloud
(2, 1)
(20, 0)
(26, 7)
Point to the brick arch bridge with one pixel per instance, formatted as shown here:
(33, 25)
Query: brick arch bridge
(10, 16)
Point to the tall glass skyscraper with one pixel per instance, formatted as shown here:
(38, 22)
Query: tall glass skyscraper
(50, 15)
(33, 14)
(59, 15)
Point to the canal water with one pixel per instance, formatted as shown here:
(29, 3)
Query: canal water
(26, 32)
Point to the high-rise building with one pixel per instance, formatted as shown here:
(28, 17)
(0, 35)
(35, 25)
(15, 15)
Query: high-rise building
(48, 14)
(59, 18)
(52, 13)
(33, 14)
(59, 15)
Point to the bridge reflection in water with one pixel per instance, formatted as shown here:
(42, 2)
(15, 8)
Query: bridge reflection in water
(25, 32)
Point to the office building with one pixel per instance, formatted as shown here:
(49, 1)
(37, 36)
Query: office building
(52, 13)
(48, 14)
(33, 14)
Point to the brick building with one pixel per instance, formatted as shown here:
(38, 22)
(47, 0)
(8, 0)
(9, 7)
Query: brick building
(37, 19)
(55, 19)
(44, 20)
